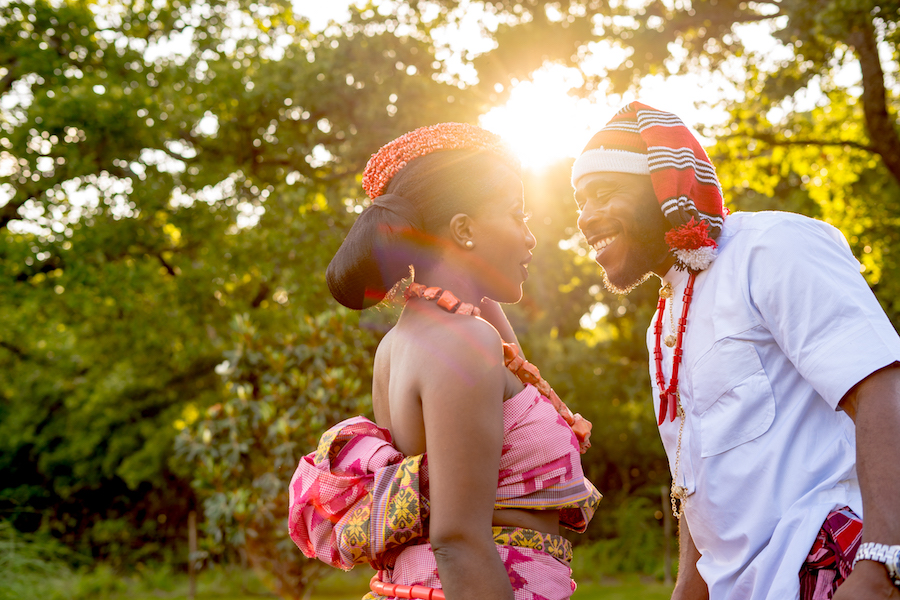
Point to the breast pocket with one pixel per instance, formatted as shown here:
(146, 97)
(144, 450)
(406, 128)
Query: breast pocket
(732, 397)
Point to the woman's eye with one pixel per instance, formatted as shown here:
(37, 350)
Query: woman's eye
(523, 216)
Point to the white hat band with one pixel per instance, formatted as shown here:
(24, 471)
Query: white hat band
(601, 160)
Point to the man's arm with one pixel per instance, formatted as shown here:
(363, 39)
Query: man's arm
(874, 405)
(689, 586)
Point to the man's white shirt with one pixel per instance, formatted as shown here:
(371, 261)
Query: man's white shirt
(780, 328)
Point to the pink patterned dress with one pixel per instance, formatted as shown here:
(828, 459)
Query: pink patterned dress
(357, 499)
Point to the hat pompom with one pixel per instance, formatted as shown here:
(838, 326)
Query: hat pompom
(692, 246)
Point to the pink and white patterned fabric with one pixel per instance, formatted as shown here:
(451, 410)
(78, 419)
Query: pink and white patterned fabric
(540, 466)
(534, 575)
(357, 499)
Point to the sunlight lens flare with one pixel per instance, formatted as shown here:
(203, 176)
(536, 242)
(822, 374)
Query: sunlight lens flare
(542, 122)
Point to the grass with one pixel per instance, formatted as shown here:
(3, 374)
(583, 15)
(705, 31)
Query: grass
(33, 568)
(232, 584)
(353, 585)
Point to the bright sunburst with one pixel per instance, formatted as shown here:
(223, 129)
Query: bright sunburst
(545, 124)
(542, 122)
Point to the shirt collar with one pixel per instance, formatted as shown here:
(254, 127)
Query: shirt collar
(675, 277)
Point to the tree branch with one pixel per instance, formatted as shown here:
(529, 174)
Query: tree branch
(771, 139)
(171, 270)
(7, 82)
(9, 212)
(20, 354)
(51, 264)
(261, 295)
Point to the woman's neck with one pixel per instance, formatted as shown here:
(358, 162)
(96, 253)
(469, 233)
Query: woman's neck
(456, 280)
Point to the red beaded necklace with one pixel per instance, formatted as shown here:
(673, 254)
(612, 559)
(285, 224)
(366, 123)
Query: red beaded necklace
(668, 396)
(512, 358)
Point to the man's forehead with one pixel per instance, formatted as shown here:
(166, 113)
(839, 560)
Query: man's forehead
(590, 182)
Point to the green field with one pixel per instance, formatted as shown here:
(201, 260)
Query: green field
(352, 586)
(234, 584)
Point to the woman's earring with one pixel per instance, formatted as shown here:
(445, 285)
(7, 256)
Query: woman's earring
(469, 244)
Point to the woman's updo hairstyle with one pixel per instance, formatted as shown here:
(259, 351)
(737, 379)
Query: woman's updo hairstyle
(417, 183)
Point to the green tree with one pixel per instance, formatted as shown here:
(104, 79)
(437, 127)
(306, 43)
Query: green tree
(801, 131)
(283, 389)
(165, 167)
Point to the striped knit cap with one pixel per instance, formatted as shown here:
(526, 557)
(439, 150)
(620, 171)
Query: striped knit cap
(645, 141)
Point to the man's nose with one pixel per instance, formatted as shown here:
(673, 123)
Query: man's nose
(588, 215)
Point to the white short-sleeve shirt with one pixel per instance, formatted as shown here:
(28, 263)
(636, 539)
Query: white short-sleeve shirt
(780, 328)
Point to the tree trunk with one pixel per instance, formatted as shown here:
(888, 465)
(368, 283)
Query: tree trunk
(881, 128)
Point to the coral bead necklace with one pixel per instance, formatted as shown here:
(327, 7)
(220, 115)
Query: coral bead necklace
(668, 402)
(512, 358)
(669, 398)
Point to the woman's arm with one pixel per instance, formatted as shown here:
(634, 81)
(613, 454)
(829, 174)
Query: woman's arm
(462, 405)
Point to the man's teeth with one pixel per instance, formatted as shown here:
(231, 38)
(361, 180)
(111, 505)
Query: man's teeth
(601, 244)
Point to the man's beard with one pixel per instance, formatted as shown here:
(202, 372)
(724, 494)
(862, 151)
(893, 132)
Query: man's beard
(622, 291)
(647, 249)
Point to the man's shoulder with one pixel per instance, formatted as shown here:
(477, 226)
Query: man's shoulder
(769, 219)
(744, 230)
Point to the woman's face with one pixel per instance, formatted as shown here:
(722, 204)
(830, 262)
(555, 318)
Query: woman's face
(503, 242)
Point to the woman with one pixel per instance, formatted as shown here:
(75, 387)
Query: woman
(474, 463)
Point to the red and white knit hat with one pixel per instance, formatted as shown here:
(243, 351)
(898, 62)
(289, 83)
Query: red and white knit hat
(645, 141)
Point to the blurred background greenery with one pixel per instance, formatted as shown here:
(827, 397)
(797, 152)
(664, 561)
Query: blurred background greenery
(175, 176)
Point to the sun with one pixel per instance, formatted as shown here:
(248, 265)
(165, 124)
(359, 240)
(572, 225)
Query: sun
(545, 124)
(542, 122)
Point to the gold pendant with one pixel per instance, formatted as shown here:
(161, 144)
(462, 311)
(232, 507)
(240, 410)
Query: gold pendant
(670, 340)
(665, 291)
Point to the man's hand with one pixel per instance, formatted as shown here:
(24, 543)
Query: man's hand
(868, 581)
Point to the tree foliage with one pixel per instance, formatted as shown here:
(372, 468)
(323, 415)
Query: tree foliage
(800, 123)
(165, 168)
(282, 390)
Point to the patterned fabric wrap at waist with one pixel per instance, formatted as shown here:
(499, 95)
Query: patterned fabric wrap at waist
(555, 545)
(537, 564)
(357, 499)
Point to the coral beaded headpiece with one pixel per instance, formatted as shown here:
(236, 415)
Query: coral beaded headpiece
(645, 141)
(395, 155)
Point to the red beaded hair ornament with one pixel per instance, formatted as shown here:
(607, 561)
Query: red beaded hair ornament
(395, 155)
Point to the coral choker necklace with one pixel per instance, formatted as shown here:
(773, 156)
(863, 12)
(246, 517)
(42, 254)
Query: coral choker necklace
(515, 362)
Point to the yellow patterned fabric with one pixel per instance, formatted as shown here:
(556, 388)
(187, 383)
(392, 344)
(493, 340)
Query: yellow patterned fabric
(555, 545)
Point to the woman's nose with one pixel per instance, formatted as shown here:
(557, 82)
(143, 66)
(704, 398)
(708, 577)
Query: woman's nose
(530, 240)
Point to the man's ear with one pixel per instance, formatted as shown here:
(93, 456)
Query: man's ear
(462, 230)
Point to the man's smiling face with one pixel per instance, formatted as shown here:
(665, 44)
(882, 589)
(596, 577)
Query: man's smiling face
(621, 220)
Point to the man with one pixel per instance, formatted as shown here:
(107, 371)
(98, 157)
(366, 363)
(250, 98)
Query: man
(770, 358)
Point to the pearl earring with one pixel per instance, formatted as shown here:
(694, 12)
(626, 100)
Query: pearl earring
(470, 244)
